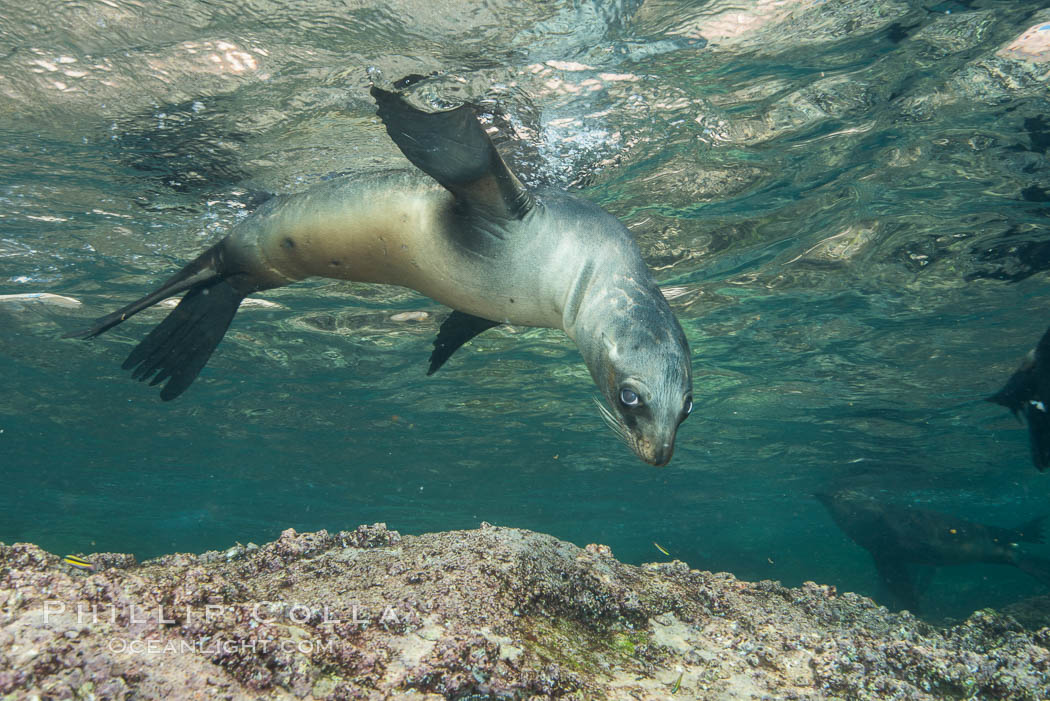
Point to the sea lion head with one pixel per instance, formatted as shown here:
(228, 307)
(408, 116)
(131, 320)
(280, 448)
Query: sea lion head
(642, 367)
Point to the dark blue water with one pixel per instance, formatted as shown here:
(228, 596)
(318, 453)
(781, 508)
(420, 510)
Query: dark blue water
(850, 200)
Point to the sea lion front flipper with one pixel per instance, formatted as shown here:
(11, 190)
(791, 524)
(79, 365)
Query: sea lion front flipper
(453, 148)
(456, 330)
(899, 580)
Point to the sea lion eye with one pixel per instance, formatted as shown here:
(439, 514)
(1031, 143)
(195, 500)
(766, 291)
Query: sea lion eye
(629, 397)
(688, 408)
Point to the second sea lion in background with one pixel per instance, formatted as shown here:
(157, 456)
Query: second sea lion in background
(899, 537)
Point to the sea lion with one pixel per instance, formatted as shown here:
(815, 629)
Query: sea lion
(1028, 392)
(898, 537)
(464, 232)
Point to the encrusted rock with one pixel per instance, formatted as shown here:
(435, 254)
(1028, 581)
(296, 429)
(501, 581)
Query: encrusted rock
(490, 613)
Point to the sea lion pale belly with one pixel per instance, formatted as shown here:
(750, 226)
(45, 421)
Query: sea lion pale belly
(400, 229)
(466, 233)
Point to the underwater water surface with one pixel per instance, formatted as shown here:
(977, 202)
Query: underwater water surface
(847, 203)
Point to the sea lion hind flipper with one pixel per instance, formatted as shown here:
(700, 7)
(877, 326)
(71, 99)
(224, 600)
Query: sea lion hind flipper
(452, 147)
(178, 348)
(202, 270)
(457, 329)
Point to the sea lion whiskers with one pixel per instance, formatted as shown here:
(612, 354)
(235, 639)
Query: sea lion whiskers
(613, 421)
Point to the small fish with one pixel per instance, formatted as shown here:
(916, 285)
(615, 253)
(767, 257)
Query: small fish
(677, 683)
(78, 562)
(660, 548)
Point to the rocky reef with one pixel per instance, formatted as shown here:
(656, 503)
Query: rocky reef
(488, 613)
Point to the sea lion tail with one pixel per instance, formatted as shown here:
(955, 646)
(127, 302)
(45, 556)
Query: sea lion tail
(178, 348)
(1037, 567)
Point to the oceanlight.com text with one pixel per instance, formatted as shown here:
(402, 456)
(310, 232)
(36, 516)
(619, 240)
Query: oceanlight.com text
(213, 647)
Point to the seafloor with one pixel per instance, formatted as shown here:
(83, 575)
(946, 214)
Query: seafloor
(489, 613)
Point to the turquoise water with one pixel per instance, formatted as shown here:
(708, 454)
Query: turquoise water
(848, 198)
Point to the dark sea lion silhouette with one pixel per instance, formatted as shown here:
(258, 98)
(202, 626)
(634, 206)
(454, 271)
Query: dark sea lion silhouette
(1027, 393)
(898, 537)
(465, 232)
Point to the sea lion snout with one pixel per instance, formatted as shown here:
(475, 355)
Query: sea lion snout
(652, 428)
(657, 453)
